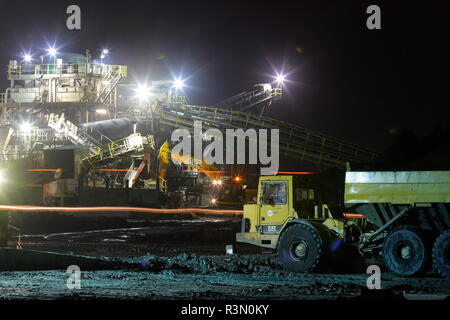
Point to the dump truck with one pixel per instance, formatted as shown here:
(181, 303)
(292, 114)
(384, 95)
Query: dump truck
(403, 216)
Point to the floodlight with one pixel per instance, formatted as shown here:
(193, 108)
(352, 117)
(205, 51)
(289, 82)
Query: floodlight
(178, 83)
(27, 58)
(280, 78)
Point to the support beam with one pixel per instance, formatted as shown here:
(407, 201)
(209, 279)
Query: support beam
(4, 220)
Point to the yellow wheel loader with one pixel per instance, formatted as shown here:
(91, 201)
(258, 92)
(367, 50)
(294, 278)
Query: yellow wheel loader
(403, 216)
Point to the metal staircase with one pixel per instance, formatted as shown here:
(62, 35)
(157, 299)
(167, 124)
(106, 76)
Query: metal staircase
(133, 142)
(98, 151)
(66, 129)
(295, 141)
(108, 85)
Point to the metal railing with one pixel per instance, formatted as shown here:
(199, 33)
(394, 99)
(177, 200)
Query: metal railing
(133, 142)
(36, 135)
(162, 185)
(258, 95)
(17, 71)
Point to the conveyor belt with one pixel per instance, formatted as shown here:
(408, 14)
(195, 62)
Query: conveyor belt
(295, 141)
(260, 95)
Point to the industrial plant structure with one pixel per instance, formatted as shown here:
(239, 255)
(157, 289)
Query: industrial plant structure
(71, 126)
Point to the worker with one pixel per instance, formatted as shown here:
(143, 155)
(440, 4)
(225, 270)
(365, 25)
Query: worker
(276, 194)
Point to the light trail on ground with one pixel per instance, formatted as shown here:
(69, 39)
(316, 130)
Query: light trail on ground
(119, 209)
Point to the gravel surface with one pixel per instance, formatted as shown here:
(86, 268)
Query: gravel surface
(184, 259)
(193, 277)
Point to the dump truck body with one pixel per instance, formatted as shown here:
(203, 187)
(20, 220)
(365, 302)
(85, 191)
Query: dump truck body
(381, 195)
(398, 187)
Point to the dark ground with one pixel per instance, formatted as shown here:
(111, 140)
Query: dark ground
(181, 257)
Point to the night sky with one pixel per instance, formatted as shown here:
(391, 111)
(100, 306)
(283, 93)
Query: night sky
(345, 80)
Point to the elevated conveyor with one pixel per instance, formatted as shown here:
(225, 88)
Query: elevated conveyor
(295, 141)
(259, 97)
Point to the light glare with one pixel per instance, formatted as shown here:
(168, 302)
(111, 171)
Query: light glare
(280, 78)
(27, 58)
(178, 83)
(25, 127)
(52, 51)
(142, 92)
(101, 111)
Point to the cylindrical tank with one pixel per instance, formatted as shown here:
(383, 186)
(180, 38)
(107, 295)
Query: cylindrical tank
(115, 129)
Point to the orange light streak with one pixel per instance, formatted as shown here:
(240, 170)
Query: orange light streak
(119, 209)
(295, 172)
(353, 215)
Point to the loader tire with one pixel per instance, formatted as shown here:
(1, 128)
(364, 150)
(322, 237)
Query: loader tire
(300, 248)
(441, 254)
(405, 251)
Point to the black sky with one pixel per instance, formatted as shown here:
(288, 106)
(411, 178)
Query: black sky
(349, 82)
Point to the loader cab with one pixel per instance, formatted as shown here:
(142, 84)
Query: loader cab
(274, 200)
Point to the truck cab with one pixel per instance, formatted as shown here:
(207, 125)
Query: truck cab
(284, 201)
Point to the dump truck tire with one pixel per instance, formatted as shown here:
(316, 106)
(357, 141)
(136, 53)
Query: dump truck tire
(300, 248)
(441, 254)
(405, 251)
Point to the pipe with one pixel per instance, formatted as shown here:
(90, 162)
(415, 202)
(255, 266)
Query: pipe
(6, 94)
(115, 129)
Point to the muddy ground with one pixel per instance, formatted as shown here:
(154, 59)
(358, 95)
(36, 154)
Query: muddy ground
(183, 257)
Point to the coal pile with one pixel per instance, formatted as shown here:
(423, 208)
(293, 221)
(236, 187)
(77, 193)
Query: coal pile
(191, 263)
